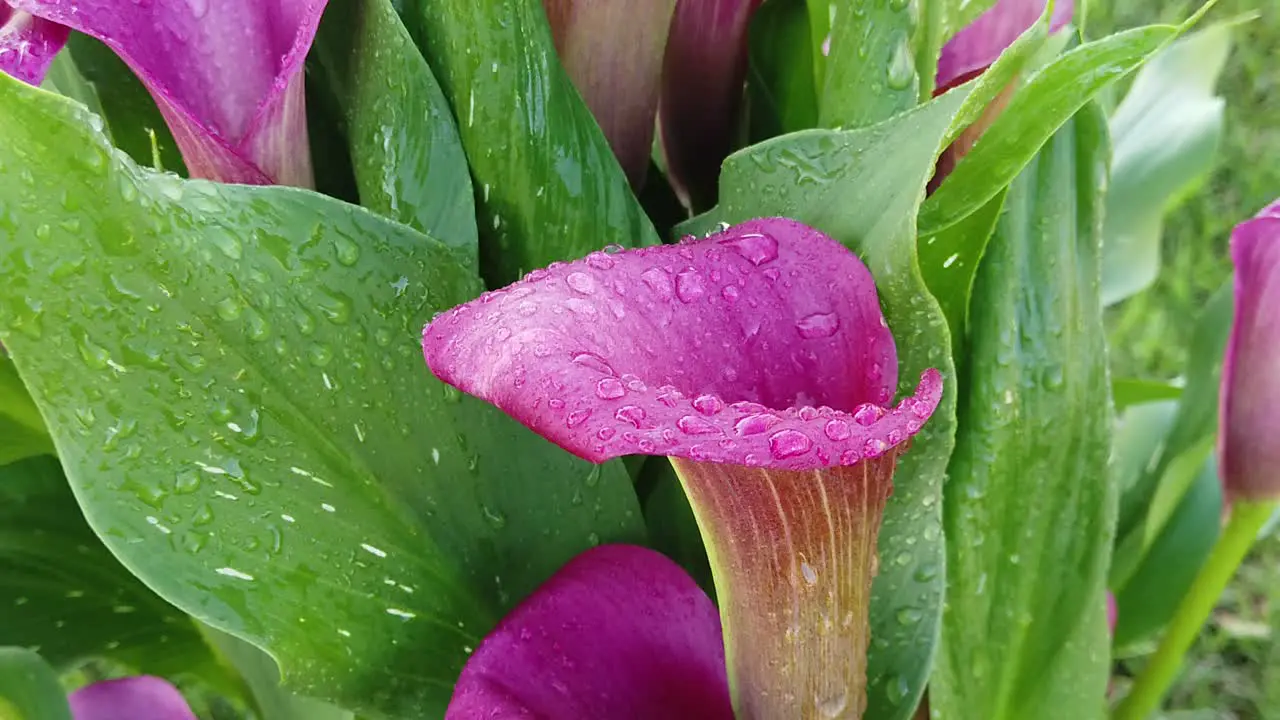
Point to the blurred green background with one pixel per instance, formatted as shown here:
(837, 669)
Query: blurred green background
(1234, 669)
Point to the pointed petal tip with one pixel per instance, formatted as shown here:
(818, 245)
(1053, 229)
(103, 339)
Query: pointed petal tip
(143, 696)
(1250, 394)
(619, 631)
(759, 345)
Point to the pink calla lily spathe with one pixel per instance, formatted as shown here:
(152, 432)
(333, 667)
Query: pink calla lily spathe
(1249, 456)
(28, 44)
(980, 43)
(619, 632)
(133, 698)
(758, 360)
(226, 75)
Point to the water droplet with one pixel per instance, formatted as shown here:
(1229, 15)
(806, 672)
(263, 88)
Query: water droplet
(730, 293)
(187, 481)
(606, 433)
(610, 388)
(689, 285)
(595, 362)
(833, 706)
(902, 67)
(493, 517)
(694, 425)
(867, 414)
(600, 261)
(874, 448)
(593, 477)
(347, 250)
(757, 248)
(897, 688)
(581, 282)
(818, 325)
(632, 414)
(577, 417)
(708, 404)
(789, 443)
(659, 281)
(808, 573)
(755, 424)
(93, 354)
(837, 430)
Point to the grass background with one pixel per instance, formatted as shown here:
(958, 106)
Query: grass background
(1233, 672)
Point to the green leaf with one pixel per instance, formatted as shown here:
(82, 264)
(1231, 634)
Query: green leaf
(262, 679)
(22, 431)
(29, 688)
(949, 262)
(1167, 131)
(548, 186)
(242, 365)
(780, 84)
(1135, 391)
(1173, 463)
(65, 594)
(811, 176)
(1028, 500)
(1049, 98)
(1151, 596)
(133, 121)
(64, 78)
(405, 150)
(870, 73)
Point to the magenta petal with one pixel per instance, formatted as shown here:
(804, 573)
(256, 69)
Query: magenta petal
(28, 44)
(981, 42)
(226, 75)
(132, 698)
(703, 73)
(619, 632)
(1250, 397)
(762, 344)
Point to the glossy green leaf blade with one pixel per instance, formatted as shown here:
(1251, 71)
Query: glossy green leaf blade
(548, 186)
(408, 159)
(131, 116)
(29, 688)
(22, 431)
(1153, 592)
(870, 72)
(1167, 131)
(780, 70)
(863, 188)
(949, 261)
(1050, 97)
(234, 381)
(65, 594)
(1028, 500)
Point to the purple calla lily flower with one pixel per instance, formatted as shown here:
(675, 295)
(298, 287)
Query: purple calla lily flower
(758, 360)
(28, 44)
(134, 698)
(225, 75)
(1249, 456)
(619, 632)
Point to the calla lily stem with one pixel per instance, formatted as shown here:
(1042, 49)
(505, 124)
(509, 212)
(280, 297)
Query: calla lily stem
(1247, 520)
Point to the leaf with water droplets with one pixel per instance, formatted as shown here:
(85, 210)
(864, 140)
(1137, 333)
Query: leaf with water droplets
(548, 187)
(404, 145)
(64, 593)
(324, 497)
(870, 72)
(1021, 638)
(811, 176)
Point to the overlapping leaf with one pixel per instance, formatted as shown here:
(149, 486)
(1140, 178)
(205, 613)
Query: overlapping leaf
(233, 381)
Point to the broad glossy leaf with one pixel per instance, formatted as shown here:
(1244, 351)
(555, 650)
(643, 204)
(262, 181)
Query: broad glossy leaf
(66, 595)
(234, 382)
(1025, 634)
(22, 431)
(548, 187)
(1049, 98)
(863, 187)
(780, 70)
(1152, 594)
(870, 71)
(1166, 133)
(405, 150)
(29, 688)
(133, 121)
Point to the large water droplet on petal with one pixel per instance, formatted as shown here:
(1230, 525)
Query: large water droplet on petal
(867, 414)
(755, 247)
(694, 425)
(689, 286)
(581, 282)
(708, 404)
(632, 414)
(789, 443)
(818, 325)
(837, 429)
(755, 424)
(610, 389)
(659, 281)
